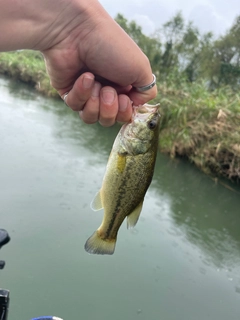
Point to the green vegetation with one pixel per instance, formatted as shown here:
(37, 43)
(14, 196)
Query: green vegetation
(179, 49)
(198, 81)
(29, 67)
(203, 126)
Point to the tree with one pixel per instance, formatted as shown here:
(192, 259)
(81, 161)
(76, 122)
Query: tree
(150, 46)
(178, 51)
(171, 33)
(227, 58)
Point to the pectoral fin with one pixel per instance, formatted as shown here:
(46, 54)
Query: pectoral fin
(96, 204)
(121, 162)
(132, 218)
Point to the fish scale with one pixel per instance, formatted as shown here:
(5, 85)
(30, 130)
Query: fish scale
(128, 175)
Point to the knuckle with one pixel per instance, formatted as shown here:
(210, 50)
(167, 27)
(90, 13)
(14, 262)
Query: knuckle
(75, 108)
(107, 122)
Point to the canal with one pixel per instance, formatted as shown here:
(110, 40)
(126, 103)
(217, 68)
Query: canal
(180, 262)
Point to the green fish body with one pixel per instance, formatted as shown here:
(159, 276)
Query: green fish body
(128, 175)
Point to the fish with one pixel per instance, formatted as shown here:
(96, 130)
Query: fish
(127, 177)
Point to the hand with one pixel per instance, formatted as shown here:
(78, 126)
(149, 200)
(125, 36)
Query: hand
(98, 64)
(87, 54)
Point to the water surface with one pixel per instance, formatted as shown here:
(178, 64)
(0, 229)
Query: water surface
(181, 261)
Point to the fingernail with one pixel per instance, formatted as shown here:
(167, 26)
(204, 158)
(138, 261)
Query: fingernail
(124, 104)
(87, 82)
(96, 90)
(108, 96)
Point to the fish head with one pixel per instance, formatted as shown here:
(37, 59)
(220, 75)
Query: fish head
(142, 131)
(145, 121)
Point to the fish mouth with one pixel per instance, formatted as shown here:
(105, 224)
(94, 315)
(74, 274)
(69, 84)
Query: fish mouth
(146, 108)
(143, 111)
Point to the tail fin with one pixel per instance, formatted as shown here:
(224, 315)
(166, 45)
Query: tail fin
(96, 245)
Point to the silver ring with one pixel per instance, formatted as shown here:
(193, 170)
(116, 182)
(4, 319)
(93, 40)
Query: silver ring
(64, 99)
(147, 87)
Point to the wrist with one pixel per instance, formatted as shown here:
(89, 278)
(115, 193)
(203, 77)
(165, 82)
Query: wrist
(40, 24)
(70, 16)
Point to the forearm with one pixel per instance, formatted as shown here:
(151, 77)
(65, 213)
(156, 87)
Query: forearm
(35, 24)
(84, 49)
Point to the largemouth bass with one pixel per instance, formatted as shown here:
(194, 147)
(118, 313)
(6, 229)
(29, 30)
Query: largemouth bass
(128, 175)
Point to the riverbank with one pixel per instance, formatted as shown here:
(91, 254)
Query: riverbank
(200, 125)
(29, 67)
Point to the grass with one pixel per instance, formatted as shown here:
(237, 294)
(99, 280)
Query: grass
(203, 126)
(29, 67)
(198, 124)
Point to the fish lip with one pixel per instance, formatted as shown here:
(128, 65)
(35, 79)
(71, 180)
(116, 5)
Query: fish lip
(146, 108)
(143, 111)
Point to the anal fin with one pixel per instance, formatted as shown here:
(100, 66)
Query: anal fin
(132, 218)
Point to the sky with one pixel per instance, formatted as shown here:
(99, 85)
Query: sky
(208, 15)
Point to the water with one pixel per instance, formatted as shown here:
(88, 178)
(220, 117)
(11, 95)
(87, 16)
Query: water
(181, 261)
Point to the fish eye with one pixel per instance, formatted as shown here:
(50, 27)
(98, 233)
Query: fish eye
(152, 124)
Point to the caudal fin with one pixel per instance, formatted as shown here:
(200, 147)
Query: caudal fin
(96, 245)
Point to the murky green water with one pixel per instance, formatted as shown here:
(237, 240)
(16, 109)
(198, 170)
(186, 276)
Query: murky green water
(181, 262)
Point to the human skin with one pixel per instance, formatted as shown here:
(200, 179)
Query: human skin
(86, 53)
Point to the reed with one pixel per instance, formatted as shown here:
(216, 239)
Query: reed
(203, 126)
